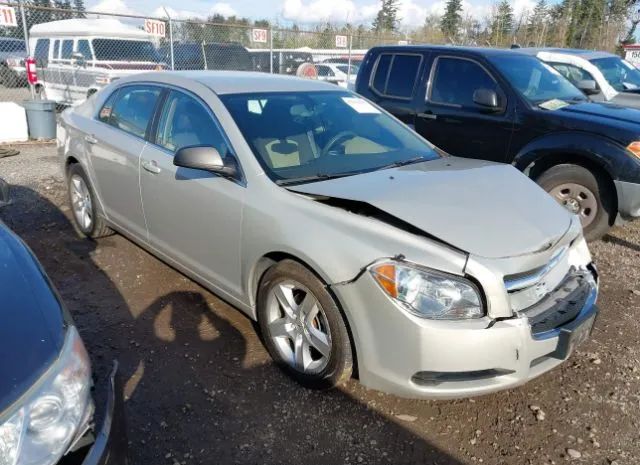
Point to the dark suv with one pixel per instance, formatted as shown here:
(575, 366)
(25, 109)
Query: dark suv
(510, 107)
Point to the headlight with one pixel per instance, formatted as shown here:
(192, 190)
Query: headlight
(429, 293)
(103, 80)
(42, 429)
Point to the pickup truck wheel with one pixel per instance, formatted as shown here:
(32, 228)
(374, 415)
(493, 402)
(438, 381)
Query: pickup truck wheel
(87, 217)
(302, 327)
(584, 193)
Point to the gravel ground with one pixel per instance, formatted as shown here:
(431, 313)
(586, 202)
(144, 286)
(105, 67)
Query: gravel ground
(200, 387)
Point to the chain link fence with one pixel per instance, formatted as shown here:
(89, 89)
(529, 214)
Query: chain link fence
(78, 52)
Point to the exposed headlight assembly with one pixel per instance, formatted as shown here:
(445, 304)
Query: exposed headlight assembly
(428, 293)
(46, 423)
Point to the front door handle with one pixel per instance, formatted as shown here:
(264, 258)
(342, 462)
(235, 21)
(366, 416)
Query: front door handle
(427, 115)
(151, 166)
(90, 139)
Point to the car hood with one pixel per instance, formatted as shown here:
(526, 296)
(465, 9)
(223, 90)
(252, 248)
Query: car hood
(604, 110)
(31, 320)
(486, 209)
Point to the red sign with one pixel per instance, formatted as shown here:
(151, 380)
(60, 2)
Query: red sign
(259, 35)
(8, 16)
(154, 27)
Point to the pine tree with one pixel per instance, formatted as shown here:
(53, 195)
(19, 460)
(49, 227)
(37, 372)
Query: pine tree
(450, 22)
(537, 22)
(502, 23)
(78, 5)
(387, 18)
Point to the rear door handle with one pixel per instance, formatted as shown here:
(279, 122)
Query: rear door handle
(90, 139)
(151, 166)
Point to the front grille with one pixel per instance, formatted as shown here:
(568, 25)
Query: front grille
(562, 305)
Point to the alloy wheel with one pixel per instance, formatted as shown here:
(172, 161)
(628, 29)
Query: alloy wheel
(577, 199)
(298, 326)
(81, 202)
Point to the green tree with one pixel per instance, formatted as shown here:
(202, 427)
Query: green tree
(78, 5)
(451, 20)
(502, 23)
(538, 23)
(387, 18)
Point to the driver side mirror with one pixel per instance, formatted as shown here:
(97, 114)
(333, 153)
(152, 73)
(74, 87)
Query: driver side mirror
(487, 99)
(78, 58)
(206, 159)
(588, 87)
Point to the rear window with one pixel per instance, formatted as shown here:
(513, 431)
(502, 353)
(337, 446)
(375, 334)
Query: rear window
(396, 74)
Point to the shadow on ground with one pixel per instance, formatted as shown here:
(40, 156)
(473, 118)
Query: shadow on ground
(200, 388)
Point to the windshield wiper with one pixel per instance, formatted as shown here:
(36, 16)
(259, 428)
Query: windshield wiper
(315, 177)
(398, 163)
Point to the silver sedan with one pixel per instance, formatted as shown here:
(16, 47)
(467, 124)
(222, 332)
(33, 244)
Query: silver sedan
(351, 240)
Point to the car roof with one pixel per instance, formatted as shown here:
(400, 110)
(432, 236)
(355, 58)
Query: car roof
(487, 51)
(234, 82)
(586, 54)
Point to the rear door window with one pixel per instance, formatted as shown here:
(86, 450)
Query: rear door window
(41, 53)
(396, 74)
(456, 79)
(132, 109)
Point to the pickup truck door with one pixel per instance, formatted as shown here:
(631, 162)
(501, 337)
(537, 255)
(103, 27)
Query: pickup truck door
(449, 118)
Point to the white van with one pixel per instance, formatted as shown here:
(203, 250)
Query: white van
(76, 57)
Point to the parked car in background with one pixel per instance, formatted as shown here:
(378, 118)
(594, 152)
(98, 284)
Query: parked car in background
(354, 62)
(284, 61)
(349, 238)
(12, 68)
(76, 57)
(204, 55)
(506, 106)
(337, 73)
(602, 76)
(46, 408)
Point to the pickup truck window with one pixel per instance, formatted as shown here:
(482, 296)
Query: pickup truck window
(395, 74)
(572, 72)
(455, 80)
(536, 81)
(619, 73)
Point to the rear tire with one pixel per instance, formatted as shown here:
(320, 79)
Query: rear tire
(306, 336)
(87, 217)
(584, 193)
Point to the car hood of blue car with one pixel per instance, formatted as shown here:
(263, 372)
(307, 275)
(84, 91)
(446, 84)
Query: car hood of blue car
(32, 323)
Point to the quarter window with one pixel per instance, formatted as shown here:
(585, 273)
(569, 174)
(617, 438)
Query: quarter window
(186, 122)
(67, 49)
(456, 79)
(396, 74)
(132, 109)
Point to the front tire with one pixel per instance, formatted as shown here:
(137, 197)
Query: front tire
(584, 193)
(303, 328)
(87, 217)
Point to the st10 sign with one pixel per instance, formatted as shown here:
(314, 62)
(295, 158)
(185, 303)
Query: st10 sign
(154, 27)
(8, 16)
(259, 36)
(341, 42)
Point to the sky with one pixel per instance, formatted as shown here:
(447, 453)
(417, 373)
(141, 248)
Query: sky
(304, 12)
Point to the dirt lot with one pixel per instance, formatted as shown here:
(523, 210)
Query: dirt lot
(201, 388)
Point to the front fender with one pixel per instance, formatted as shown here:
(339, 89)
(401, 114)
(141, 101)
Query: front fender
(567, 146)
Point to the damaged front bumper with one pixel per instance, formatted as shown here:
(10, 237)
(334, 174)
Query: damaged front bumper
(413, 357)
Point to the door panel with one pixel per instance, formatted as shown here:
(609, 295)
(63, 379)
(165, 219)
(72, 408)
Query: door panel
(193, 216)
(451, 120)
(114, 149)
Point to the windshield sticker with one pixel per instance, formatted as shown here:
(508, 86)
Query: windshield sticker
(553, 104)
(360, 105)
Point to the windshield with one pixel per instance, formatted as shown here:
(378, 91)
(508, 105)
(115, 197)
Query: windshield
(124, 50)
(535, 80)
(306, 136)
(621, 74)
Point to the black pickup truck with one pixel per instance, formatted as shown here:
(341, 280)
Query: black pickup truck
(507, 106)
